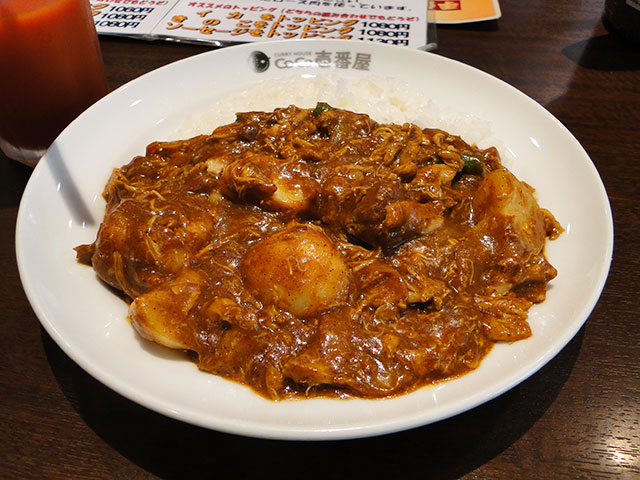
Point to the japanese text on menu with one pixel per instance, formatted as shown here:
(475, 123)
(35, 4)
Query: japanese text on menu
(384, 21)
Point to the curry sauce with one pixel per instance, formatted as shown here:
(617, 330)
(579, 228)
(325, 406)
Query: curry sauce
(307, 252)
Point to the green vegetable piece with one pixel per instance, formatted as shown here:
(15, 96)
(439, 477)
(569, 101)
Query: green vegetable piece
(322, 107)
(472, 165)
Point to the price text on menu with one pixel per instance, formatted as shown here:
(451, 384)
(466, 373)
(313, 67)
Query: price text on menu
(385, 21)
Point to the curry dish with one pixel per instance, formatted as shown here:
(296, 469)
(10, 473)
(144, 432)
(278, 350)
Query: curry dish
(316, 252)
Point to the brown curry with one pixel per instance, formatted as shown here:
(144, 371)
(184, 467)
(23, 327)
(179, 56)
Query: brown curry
(307, 252)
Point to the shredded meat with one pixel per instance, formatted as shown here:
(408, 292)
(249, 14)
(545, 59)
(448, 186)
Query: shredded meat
(316, 252)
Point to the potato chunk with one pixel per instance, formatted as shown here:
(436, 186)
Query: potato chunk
(501, 195)
(159, 315)
(298, 270)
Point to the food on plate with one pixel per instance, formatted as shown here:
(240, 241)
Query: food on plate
(315, 252)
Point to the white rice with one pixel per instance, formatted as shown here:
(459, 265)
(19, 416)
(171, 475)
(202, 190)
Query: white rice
(386, 100)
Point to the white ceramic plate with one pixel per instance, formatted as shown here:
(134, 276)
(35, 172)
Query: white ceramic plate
(62, 207)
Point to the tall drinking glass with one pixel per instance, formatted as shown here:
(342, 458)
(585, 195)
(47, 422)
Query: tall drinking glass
(50, 71)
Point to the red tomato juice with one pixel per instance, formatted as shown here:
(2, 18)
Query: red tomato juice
(50, 68)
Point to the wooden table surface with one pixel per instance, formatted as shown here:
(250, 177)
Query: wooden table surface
(578, 417)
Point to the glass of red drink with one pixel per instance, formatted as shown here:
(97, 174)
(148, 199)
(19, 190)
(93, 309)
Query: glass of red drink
(51, 68)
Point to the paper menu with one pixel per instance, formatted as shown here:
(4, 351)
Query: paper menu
(464, 11)
(129, 17)
(396, 22)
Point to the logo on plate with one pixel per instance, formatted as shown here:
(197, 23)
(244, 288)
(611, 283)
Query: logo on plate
(260, 61)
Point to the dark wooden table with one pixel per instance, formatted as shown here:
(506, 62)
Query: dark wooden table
(579, 417)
